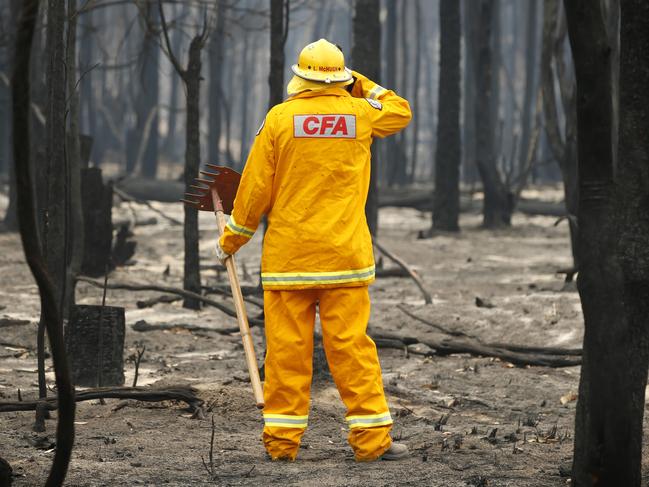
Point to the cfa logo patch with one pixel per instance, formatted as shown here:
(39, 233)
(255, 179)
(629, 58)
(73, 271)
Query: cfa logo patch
(375, 103)
(324, 126)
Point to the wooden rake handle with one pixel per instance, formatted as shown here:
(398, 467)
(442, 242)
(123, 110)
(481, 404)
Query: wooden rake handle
(242, 317)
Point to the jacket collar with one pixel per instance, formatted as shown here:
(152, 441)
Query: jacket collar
(327, 92)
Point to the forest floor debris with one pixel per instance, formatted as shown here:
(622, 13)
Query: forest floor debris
(468, 420)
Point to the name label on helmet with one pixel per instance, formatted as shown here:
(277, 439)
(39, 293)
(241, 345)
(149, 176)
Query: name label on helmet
(325, 126)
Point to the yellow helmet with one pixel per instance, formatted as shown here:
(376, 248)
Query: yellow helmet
(320, 65)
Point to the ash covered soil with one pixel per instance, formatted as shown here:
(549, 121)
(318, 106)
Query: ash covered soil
(468, 421)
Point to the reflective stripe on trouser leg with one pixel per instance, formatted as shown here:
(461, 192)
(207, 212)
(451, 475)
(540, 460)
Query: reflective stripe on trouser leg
(354, 365)
(289, 320)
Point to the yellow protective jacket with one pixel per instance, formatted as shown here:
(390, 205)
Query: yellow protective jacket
(309, 172)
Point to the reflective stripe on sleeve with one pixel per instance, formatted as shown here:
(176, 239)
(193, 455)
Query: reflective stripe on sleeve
(239, 229)
(369, 421)
(375, 92)
(337, 277)
(285, 420)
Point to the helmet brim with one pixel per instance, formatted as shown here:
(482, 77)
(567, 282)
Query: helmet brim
(345, 75)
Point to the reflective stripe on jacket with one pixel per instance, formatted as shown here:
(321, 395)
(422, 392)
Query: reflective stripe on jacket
(309, 171)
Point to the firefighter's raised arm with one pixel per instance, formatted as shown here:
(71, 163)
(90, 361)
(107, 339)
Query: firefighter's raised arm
(389, 112)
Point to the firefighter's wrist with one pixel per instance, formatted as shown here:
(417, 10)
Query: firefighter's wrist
(221, 254)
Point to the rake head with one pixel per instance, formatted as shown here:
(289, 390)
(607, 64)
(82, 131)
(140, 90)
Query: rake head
(220, 178)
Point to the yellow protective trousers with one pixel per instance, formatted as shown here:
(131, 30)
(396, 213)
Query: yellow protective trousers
(353, 362)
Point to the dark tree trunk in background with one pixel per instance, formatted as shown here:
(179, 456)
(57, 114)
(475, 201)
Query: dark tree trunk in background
(366, 59)
(564, 147)
(614, 245)
(529, 98)
(215, 96)
(174, 108)
(397, 173)
(496, 68)
(191, 76)
(75, 236)
(469, 170)
(54, 238)
(246, 78)
(10, 221)
(497, 209)
(87, 109)
(415, 93)
(97, 205)
(391, 151)
(279, 16)
(29, 234)
(446, 201)
(147, 115)
(192, 277)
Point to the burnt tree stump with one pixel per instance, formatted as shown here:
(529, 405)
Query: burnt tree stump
(97, 199)
(84, 342)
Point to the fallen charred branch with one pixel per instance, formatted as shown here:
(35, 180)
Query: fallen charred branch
(419, 198)
(171, 290)
(146, 394)
(401, 263)
(225, 288)
(145, 189)
(435, 325)
(143, 326)
(448, 346)
(505, 346)
(392, 272)
(151, 302)
(127, 197)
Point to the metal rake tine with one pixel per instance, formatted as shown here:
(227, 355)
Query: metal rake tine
(199, 188)
(207, 182)
(191, 203)
(218, 169)
(192, 195)
(207, 173)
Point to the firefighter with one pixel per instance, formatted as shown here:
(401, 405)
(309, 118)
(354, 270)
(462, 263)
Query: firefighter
(309, 172)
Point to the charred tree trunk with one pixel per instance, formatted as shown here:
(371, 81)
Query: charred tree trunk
(498, 204)
(390, 152)
(366, 59)
(614, 245)
(246, 68)
(563, 146)
(469, 151)
(415, 94)
(531, 48)
(216, 90)
(279, 16)
(192, 277)
(97, 203)
(75, 235)
(398, 171)
(446, 200)
(29, 234)
(54, 238)
(150, 58)
(191, 77)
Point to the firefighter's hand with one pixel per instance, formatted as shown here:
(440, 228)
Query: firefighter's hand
(356, 88)
(220, 253)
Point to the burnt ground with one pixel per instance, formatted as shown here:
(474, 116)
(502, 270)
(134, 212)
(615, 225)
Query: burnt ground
(469, 421)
